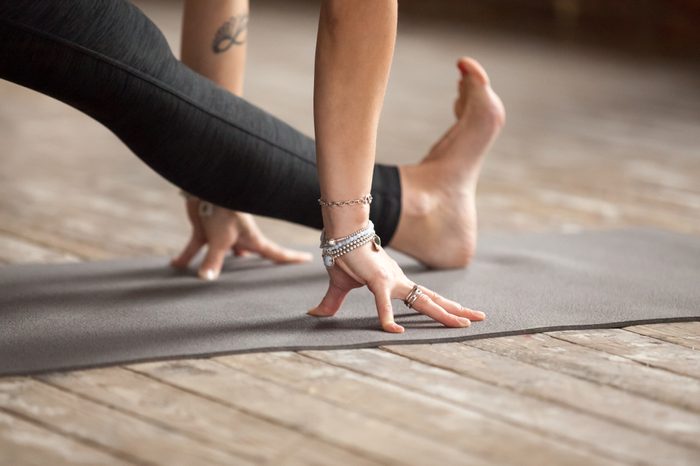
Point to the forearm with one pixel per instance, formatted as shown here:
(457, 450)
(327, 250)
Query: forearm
(354, 49)
(214, 37)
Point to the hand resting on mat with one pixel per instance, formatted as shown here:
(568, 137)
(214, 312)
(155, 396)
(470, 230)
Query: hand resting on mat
(223, 230)
(354, 50)
(385, 279)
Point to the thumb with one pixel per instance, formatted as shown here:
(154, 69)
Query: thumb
(273, 251)
(331, 302)
(212, 263)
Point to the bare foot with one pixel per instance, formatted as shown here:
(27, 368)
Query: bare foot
(438, 218)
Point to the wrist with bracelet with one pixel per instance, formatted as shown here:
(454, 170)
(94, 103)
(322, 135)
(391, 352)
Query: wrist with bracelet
(205, 208)
(333, 248)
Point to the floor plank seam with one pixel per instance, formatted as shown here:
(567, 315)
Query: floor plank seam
(576, 446)
(53, 247)
(660, 338)
(117, 454)
(567, 406)
(359, 412)
(271, 420)
(33, 242)
(547, 434)
(635, 393)
(629, 358)
(331, 402)
(148, 420)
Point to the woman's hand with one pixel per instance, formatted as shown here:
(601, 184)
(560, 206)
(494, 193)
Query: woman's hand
(386, 280)
(223, 230)
(354, 49)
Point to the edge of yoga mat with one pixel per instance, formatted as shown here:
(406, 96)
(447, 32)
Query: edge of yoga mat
(384, 341)
(348, 346)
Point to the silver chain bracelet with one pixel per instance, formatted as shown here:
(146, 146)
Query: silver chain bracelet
(366, 199)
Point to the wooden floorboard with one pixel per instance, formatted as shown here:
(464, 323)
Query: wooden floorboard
(25, 443)
(304, 412)
(597, 366)
(685, 334)
(443, 421)
(592, 141)
(550, 384)
(438, 374)
(197, 417)
(125, 436)
(648, 351)
(16, 249)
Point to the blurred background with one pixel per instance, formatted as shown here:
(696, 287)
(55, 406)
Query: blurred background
(603, 113)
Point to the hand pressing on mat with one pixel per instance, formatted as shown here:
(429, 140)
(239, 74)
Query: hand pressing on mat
(354, 49)
(223, 230)
(371, 266)
(222, 61)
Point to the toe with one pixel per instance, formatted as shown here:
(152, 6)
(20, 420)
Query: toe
(470, 67)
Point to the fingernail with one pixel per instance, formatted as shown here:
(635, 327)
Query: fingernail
(464, 322)
(209, 274)
(480, 314)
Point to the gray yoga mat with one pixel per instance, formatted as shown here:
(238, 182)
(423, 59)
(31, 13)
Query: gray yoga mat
(100, 313)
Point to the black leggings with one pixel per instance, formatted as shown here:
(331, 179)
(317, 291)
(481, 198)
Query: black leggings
(108, 60)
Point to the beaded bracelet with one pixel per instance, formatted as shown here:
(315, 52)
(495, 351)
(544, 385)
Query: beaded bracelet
(329, 258)
(337, 247)
(348, 244)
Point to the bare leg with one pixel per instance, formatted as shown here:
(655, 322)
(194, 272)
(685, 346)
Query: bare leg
(438, 223)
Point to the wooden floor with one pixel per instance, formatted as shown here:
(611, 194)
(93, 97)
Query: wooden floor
(593, 141)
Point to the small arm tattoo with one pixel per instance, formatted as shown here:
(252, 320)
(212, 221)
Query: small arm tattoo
(229, 34)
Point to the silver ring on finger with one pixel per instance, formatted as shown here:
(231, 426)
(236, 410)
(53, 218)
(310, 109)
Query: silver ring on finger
(411, 298)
